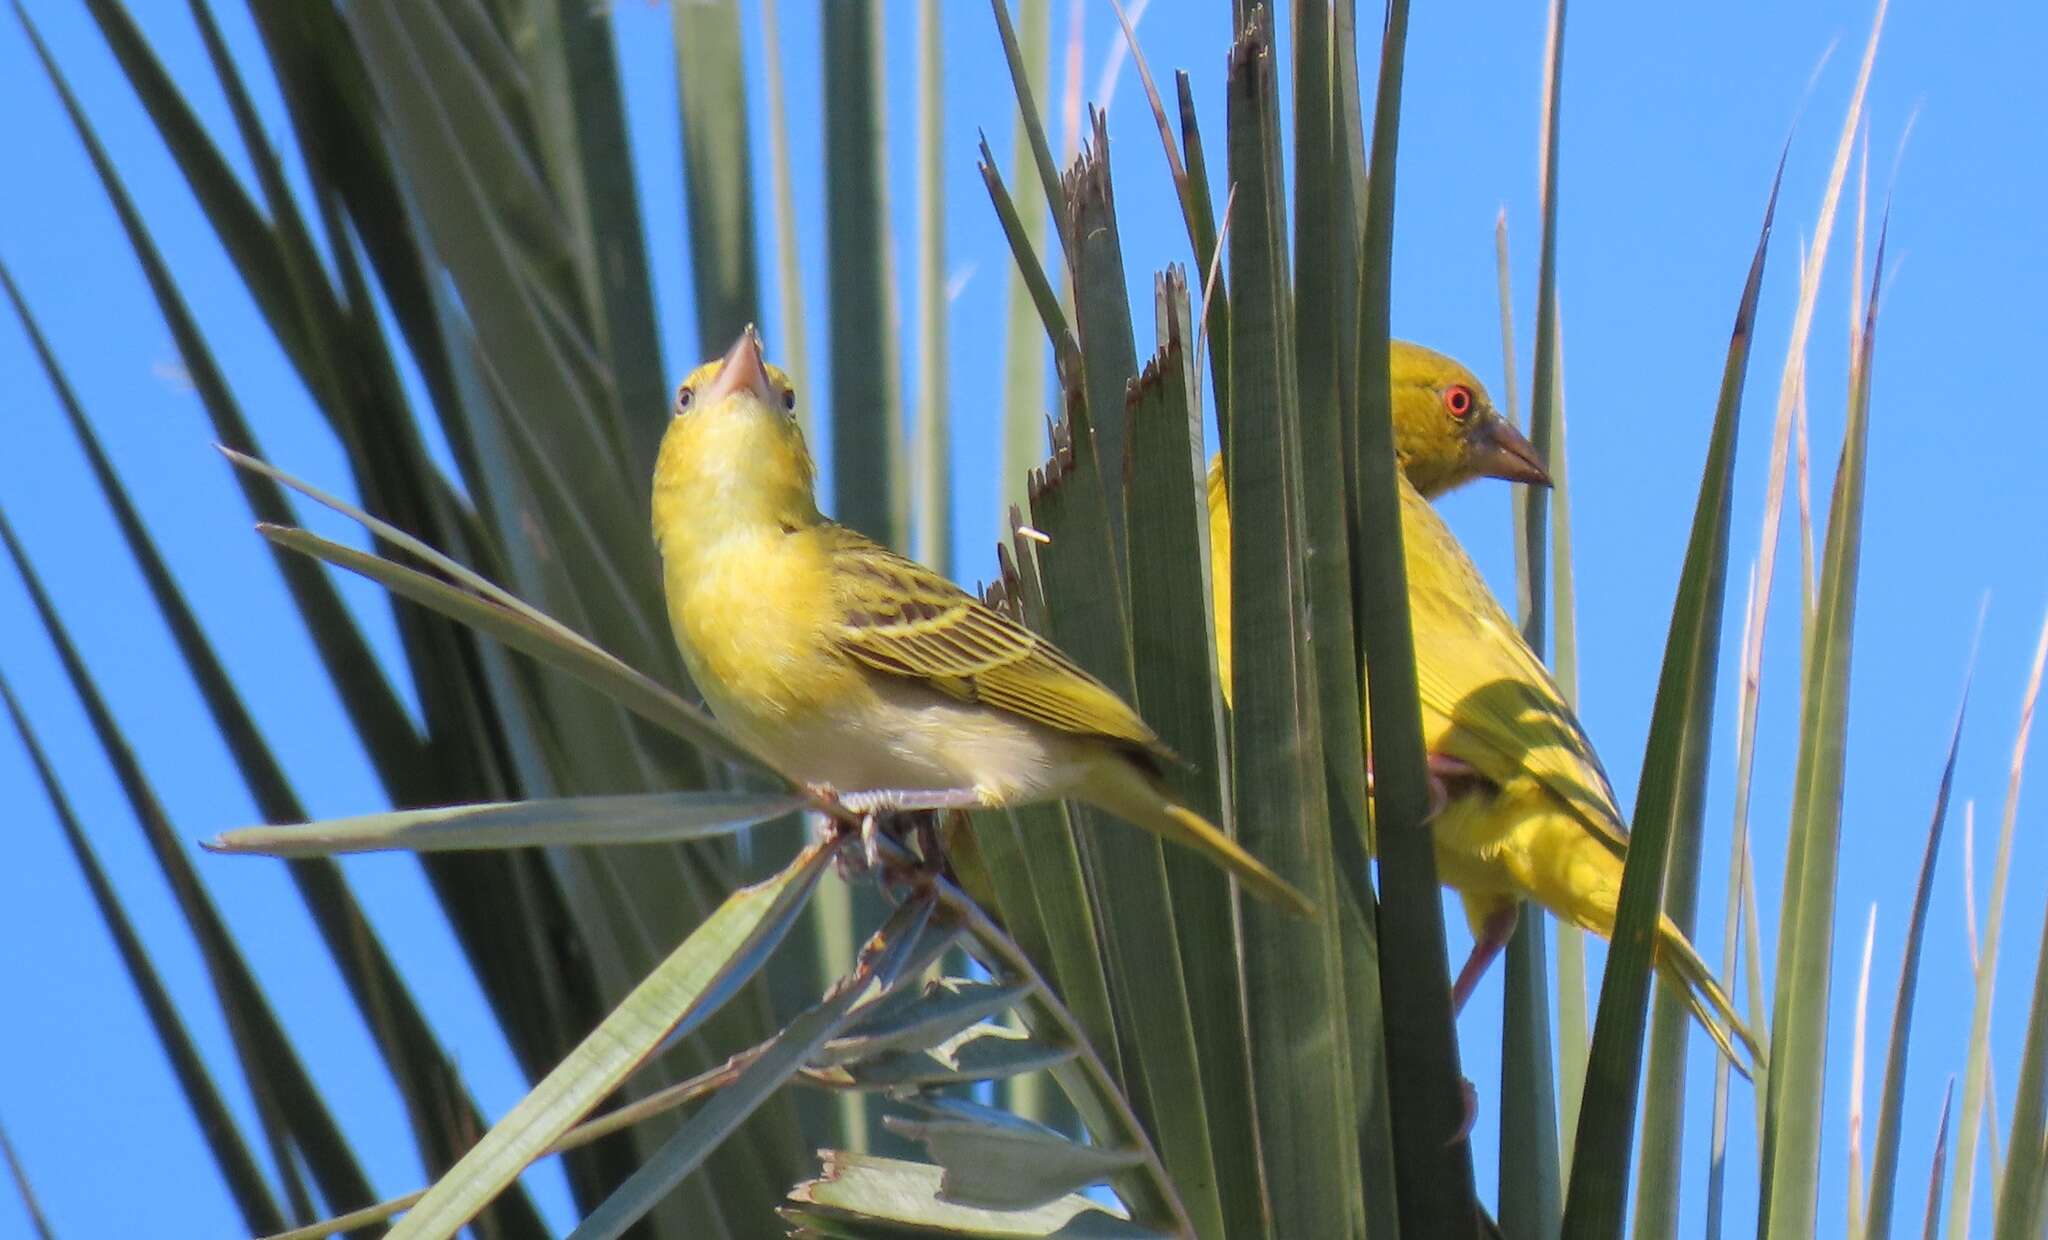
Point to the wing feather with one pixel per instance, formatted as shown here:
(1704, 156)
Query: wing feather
(1501, 710)
(899, 617)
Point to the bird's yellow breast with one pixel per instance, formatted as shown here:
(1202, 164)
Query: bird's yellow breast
(746, 571)
(751, 611)
(1524, 842)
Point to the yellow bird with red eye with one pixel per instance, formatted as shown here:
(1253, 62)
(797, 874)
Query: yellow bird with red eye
(1524, 809)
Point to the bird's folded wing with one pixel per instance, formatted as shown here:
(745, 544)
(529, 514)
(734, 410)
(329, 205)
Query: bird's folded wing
(899, 617)
(1505, 713)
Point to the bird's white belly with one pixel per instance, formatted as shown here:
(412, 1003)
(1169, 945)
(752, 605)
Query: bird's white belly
(909, 737)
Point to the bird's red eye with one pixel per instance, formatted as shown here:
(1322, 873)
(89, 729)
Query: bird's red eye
(1458, 400)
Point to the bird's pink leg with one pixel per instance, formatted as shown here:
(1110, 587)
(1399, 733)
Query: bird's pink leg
(1468, 1099)
(1445, 774)
(1494, 934)
(1444, 771)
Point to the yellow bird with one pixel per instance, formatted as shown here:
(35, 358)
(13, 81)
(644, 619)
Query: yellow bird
(1526, 812)
(855, 670)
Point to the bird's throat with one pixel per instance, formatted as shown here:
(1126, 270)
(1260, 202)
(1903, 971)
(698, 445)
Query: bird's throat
(727, 472)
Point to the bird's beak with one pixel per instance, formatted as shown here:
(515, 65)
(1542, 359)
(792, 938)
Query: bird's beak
(1497, 450)
(742, 371)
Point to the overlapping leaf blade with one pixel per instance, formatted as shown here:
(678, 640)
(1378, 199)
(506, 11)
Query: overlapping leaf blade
(643, 818)
(868, 474)
(230, 1149)
(1530, 1183)
(1884, 1158)
(700, 975)
(1433, 1172)
(862, 1196)
(1799, 1012)
(292, 1108)
(1293, 982)
(1669, 803)
(899, 943)
(1125, 869)
(1174, 658)
(440, 1110)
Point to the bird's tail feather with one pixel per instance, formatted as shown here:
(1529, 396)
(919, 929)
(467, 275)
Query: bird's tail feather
(1707, 998)
(1137, 798)
(1204, 836)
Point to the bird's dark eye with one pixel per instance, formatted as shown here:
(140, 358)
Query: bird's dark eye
(1458, 401)
(683, 395)
(789, 399)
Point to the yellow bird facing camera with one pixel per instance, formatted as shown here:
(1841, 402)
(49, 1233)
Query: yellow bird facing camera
(856, 670)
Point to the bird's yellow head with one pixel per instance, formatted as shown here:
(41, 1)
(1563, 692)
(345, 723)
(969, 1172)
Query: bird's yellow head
(733, 455)
(1446, 430)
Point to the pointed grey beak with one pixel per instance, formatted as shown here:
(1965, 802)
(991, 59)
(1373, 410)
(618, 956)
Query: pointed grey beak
(742, 371)
(1495, 449)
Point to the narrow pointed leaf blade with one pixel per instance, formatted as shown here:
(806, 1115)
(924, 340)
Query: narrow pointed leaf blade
(2022, 1190)
(601, 671)
(1669, 803)
(701, 974)
(1930, 1228)
(869, 478)
(1085, 1078)
(23, 1188)
(286, 1095)
(877, 1197)
(1884, 1157)
(440, 1110)
(1025, 79)
(246, 1182)
(1174, 664)
(1024, 370)
(929, 1016)
(1296, 1033)
(686, 1149)
(364, 689)
(1433, 1171)
(984, 1053)
(1794, 1113)
(640, 818)
(997, 1161)
(1125, 869)
(1530, 1187)
(717, 171)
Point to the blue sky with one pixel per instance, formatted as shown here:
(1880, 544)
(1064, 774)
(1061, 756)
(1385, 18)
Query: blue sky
(1673, 119)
